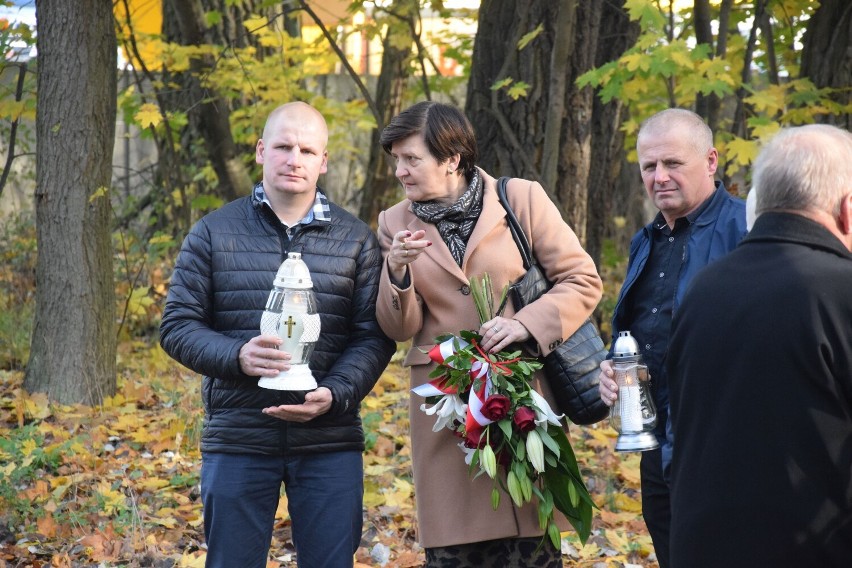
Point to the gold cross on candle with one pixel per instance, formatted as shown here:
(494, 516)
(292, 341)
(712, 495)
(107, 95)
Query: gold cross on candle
(290, 323)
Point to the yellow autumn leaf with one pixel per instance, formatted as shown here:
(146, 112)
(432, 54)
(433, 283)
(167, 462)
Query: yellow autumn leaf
(60, 489)
(401, 495)
(770, 99)
(372, 498)
(168, 522)
(378, 469)
(142, 436)
(590, 551)
(102, 191)
(765, 131)
(37, 405)
(599, 438)
(128, 422)
(372, 403)
(636, 61)
(625, 503)
(255, 24)
(681, 57)
(502, 83)
(629, 468)
(113, 501)
(154, 483)
(281, 512)
(28, 447)
(527, 38)
(193, 559)
(740, 151)
(394, 382)
(618, 541)
(613, 519)
(114, 401)
(148, 115)
(12, 110)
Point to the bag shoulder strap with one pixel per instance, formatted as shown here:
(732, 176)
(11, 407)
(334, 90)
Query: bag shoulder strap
(514, 226)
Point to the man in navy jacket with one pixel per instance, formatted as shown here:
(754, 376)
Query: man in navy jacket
(698, 222)
(760, 369)
(254, 439)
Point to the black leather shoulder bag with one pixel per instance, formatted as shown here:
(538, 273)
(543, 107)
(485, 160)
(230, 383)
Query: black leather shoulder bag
(572, 368)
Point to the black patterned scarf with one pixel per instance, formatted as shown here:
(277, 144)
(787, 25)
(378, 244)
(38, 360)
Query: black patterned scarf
(456, 222)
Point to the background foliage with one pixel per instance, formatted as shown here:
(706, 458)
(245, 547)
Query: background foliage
(117, 484)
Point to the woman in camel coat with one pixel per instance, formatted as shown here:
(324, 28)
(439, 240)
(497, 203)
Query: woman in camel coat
(449, 230)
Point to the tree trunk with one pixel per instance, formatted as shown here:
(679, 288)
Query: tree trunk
(380, 189)
(209, 112)
(609, 158)
(825, 56)
(73, 349)
(738, 127)
(704, 34)
(548, 134)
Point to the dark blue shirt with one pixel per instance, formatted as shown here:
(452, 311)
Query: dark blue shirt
(651, 301)
(711, 232)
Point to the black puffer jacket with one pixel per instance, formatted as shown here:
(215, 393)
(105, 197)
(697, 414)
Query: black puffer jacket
(218, 292)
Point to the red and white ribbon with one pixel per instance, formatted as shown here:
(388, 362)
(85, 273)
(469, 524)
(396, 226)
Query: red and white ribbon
(479, 371)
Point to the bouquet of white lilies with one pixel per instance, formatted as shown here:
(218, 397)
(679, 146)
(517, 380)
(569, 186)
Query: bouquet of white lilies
(508, 430)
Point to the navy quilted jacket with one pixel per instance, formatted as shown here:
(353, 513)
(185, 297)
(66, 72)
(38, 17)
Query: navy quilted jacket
(218, 292)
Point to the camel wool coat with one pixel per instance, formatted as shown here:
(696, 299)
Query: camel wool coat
(452, 507)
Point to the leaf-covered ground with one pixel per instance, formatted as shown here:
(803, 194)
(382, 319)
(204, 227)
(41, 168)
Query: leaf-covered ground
(118, 485)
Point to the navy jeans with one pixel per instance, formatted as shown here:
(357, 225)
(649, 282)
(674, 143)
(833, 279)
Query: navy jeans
(324, 497)
(656, 503)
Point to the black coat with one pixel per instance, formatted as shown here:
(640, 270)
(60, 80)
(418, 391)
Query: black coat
(760, 367)
(218, 292)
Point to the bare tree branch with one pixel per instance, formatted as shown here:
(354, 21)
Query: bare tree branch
(13, 131)
(361, 87)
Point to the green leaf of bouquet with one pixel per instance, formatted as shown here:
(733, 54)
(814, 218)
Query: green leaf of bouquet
(579, 516)
(521, 450)
(560, 479)
(506, 427)
(548, 441)
(566, 456)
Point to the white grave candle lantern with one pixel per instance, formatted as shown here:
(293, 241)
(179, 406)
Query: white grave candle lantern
(633, 415)
(291, 314)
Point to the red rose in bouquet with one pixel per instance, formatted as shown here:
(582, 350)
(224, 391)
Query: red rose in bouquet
(496, 407)
(524, 418)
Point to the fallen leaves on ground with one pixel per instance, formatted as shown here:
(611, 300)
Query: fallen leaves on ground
(117, 485)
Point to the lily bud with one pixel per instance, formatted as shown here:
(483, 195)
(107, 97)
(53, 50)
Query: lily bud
(555, 537)
(495, 498)
(489, 461)
(515, 491)
(526, 487)
(535, 451)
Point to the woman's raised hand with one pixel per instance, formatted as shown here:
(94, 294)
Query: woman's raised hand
(404, 250)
